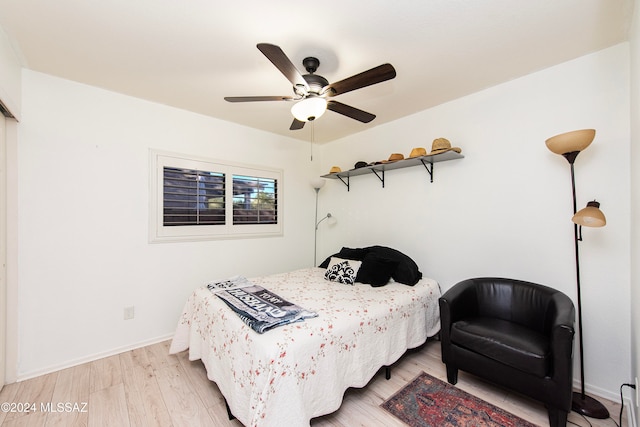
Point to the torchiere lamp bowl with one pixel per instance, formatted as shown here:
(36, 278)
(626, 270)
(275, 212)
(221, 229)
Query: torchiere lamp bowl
(569, 142)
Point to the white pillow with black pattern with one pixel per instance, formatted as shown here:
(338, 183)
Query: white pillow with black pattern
(342, 270)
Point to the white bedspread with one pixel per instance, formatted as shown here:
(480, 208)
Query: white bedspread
(293, 373)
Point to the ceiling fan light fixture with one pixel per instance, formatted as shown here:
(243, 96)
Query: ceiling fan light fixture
(309, 109)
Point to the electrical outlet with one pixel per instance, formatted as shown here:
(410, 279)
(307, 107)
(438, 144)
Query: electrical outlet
(129, 313)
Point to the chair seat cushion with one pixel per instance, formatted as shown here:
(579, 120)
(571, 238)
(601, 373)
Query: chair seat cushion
(505, 342)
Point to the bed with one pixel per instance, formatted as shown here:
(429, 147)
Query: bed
(293, 373)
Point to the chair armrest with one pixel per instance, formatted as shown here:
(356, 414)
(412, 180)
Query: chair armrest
(459, 301)
(562, 316)
(562, 333)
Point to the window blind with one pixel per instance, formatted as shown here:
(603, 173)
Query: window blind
(193, 197)
(254, 200)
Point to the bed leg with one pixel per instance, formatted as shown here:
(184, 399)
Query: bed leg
(387, 372)
(229, 414)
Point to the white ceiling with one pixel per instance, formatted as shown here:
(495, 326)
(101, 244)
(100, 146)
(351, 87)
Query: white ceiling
(190, 54)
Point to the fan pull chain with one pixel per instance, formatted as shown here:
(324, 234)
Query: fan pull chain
(312, 139)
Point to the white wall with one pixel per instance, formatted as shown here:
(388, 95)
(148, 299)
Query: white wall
(505, 209)
(635, 202)
(84, 255)
(11, 97)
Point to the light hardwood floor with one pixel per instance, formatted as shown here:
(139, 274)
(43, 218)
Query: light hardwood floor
(148, 387)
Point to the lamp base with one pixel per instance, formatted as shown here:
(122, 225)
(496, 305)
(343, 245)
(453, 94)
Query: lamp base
(588, 406)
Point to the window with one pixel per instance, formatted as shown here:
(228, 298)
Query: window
(192, 197)
(254, 200)
(202, 199)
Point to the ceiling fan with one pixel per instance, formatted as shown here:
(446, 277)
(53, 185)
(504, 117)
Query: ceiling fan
(312, 90)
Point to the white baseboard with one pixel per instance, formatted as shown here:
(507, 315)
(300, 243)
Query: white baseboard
(54, 368)
(631, 415)
(596, 392)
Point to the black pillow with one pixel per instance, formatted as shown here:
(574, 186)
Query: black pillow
(356, 254)
(376, 270)
(406, 272)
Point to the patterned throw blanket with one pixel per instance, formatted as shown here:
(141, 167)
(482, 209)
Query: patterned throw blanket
(258, 307)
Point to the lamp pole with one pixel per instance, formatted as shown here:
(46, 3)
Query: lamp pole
(571, 157)
(317, 184)
(315, 232)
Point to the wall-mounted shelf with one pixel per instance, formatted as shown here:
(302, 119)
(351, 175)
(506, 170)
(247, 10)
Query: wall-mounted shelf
(379, 170)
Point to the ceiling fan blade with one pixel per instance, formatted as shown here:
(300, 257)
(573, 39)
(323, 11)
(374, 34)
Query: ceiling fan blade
(282, 63)
(370, 77)
(349, 111)
(296, 125)
(258, 98)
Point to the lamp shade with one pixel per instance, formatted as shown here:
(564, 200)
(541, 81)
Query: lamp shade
(570, 142)
(591, 216)
(317, 183)
(309, 109)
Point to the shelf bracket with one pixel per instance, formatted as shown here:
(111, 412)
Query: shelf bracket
(345, 182)
(429, 169)
(381, 178)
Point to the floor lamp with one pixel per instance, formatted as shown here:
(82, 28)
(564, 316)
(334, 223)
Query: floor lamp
(317, 184)
(569, 145)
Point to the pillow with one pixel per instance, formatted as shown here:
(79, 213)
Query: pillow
(342, 270)
(376, 270)
(406, 272)
(357, 254)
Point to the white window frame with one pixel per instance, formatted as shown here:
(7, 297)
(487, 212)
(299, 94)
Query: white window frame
(158, 233)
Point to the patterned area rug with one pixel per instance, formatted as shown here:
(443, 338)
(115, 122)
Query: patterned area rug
(429, 402)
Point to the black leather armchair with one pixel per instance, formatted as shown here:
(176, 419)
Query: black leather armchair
(513, 333)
